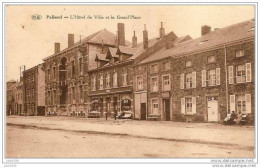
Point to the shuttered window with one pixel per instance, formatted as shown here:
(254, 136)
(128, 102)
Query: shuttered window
(232, 103)
(182, 81)
(230, 75)
(194, 79)
(248, 72)
(217, 76)
(203, 74)
(248, 103)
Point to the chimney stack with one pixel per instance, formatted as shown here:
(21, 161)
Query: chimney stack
(205, 30)
(145, 38)
(162, 31)
(121, 34)
(134, 40)
(56, 48)
(70, 40)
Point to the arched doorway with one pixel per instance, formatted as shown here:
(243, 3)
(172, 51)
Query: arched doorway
(63, 84)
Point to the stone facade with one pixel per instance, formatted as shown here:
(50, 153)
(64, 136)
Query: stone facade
(33, 93)
(18, 98)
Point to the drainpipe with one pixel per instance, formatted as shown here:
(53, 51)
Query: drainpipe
(225, 51)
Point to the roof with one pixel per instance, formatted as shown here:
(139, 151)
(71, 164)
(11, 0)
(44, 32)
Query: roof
(215, 38)
(101, 56)
(112, 52)
(126, 50)
(100, 37)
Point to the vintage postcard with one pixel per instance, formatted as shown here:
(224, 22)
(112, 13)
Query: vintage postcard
(130, 81)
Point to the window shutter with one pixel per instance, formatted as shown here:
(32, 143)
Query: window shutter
(232, 103)
(194, 79)
(194, 105)
(182, 105)
(217, 76)
(248, 103)
(248, 72)
(203, 74)
(182, 81)
(231, 74)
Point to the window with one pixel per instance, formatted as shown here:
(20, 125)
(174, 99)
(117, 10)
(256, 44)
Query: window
(211, 58)
(154, 68)
(80, 66)
(54, 72)
(73, 94)
(93, 81)
(188, 63)
(212, 77)
(72, 68)
(108, 80)
(188, 105)
(124, 78)
(240, 53)
(139, 82)
(155, 106)
(241, 104)
(101, 82)
(188, 80)
(154, 84)
(115, 79)
(54, 95)
(81, 93)
(241, 74)
(49, 75)
(166, 66)
(166, 83)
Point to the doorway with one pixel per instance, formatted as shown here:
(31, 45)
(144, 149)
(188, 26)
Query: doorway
(143, 111)
(212, 103)
(166, 107)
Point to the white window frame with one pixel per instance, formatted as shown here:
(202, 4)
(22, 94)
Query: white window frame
(241, 75)
(124, 78)
(152, 69)
(166, 65)
(101, 82)
(188, 65)
(209, 59)
(108, 80)
(240, 53)
(139, 84)
(188, 81)
(164, 88)
(155, 88)
(241, 102)
(212, 77)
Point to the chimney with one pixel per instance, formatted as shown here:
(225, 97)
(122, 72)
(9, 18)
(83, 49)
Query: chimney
(134, 40)
(205, 30)
(70, 40)
(121, 33)
(162, 31)
(56, 48)
(145, 38)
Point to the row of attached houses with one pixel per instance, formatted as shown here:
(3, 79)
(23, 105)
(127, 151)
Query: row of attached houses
(172, 78)
(200, 79)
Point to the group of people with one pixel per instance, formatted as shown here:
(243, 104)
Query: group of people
(233, 118)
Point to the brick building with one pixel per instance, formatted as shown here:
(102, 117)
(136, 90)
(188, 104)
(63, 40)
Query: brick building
(18, 98)
(206, 77)
(112, 82)
(34, 90)
(67, 79)
(10, 97)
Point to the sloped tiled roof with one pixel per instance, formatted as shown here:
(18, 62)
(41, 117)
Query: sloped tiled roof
(215, 38)
(112, 52)
(101, 56)
(126, 50)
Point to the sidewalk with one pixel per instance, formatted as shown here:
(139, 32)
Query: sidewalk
(204, 133)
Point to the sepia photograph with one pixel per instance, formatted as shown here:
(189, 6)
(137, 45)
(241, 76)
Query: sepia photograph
(172, 81)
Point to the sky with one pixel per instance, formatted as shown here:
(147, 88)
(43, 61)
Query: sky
(28, 41)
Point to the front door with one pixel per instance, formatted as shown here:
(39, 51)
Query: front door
(143, 111)
(167, 109)
(213, 109)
